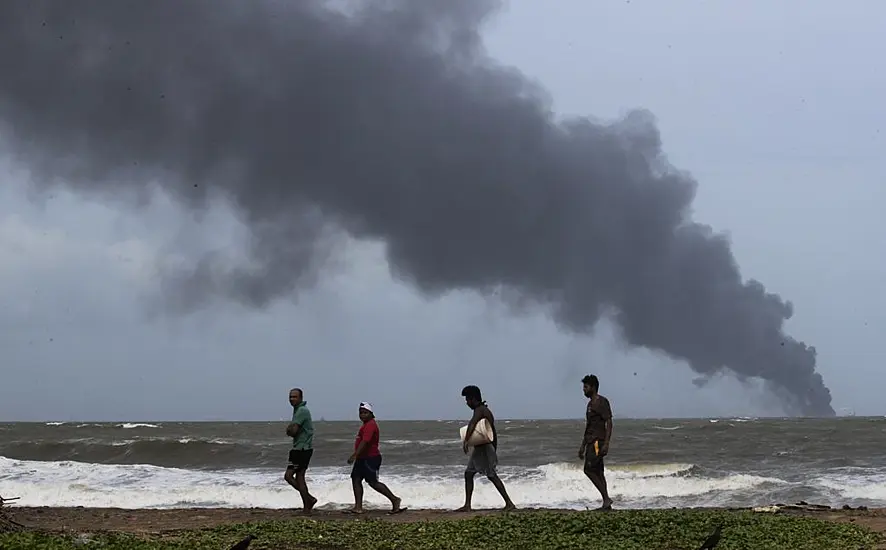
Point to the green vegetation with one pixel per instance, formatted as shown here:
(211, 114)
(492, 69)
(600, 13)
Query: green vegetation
(620, 530)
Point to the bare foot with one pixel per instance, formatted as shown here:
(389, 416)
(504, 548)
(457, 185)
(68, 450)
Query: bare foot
(465, 508)
(509, 507)
(309, 506)
(397, 509)
(395, 504)
(356, 511)
(607, 505)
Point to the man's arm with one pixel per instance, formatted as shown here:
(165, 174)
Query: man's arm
(608, 426)
(360, 448)
(366, 435)
(358, 451)
(294, 427)
(584, 437)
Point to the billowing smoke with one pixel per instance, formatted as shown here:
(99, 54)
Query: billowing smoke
(389, 123)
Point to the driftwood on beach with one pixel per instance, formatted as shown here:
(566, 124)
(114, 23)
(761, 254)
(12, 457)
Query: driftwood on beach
(8, 524)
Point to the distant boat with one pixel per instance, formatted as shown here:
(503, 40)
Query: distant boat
(322, 419)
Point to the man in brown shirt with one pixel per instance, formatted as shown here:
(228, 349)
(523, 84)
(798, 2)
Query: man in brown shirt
(598, 431)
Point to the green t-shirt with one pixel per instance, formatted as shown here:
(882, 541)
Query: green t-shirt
(304, 439)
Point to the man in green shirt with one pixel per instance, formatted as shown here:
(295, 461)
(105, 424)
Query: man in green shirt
(301, 430)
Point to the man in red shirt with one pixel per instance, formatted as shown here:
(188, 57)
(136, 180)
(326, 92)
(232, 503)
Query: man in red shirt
(367, 462)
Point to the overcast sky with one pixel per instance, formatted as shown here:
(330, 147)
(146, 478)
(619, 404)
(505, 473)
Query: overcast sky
(773, 107)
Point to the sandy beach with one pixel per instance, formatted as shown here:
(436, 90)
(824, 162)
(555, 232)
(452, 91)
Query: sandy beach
(158, 521)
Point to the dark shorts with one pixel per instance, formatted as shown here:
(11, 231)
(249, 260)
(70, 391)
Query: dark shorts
(484, 460)
(366, 469)
(593, 460)
(299, 459)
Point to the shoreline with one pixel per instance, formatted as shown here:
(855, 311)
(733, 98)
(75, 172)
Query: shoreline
(158, 521)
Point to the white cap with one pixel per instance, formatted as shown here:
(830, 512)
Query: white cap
(366, 405)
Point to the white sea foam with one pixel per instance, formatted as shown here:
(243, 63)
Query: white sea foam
(429, 442)
(857, 484)
(184, 440)
(131, 425)
(551, 485)
(404, 442)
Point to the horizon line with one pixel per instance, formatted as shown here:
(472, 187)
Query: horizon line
(503, 419)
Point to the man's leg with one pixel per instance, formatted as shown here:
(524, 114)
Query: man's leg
(301, 485)
(296, 478)
(500, 486)
(384, 490)
(289, 476)
(594, 471)
(302, 467)
(358, 474)
(372, 469)
(469, 490)
(487, 463)
(470, 472)
(357, 484)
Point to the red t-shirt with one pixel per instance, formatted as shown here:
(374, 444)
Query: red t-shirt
(369, 433)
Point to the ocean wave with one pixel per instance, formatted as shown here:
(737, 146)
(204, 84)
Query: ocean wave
(186, 452)
(428, 442)
(857, 483)
(124, 425)
(183, 452)
(561, 485)
(133, 425)
(403, 442)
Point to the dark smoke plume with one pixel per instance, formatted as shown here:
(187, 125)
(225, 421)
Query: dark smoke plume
(392, 124)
